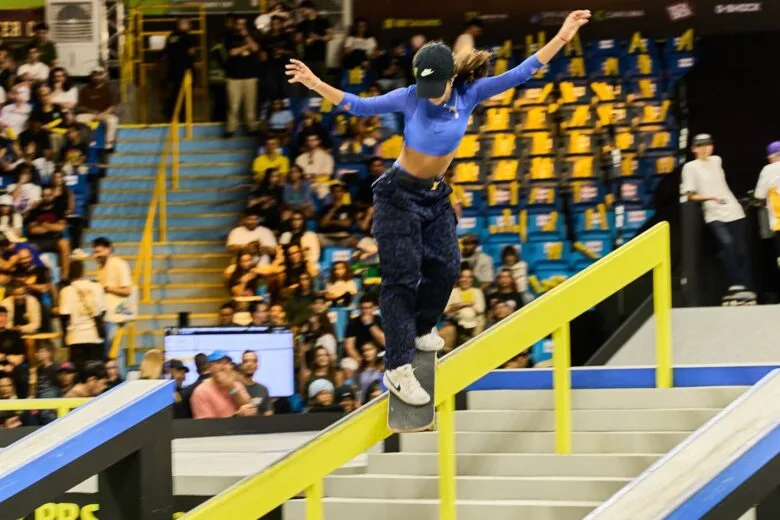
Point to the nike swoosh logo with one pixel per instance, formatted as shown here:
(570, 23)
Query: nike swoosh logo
(426, 72)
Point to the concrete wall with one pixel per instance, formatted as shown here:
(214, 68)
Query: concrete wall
(711, 335)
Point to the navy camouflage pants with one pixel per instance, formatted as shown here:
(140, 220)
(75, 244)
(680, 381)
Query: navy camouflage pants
(414, 226)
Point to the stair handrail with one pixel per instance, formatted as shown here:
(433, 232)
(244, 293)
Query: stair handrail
(142, 272)
(305, 468)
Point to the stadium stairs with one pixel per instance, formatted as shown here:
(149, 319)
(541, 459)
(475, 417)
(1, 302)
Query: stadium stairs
(506, 464)
(187, 270)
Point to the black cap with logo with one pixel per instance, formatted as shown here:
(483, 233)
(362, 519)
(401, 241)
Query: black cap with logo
(433, 68)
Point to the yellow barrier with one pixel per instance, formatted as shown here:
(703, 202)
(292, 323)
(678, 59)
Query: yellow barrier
(305, 468)
(142, 273)
(62, 406)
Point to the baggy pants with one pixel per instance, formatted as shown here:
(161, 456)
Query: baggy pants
(414, 226)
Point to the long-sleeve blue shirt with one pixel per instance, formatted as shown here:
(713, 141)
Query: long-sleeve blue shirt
(438, 129)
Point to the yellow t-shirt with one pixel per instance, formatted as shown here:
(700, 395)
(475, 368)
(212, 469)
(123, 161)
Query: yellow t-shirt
(263, 162)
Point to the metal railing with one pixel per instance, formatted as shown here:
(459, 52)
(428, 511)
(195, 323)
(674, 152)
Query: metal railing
(142, 272)
(305, 468)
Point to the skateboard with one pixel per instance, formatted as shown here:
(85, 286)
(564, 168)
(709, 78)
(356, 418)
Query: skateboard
(405, 418)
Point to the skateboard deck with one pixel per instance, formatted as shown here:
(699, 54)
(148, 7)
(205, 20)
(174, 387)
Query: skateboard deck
(405, 418)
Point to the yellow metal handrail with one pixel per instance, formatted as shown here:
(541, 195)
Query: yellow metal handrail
(142, 273)
(62, 406)
(306, 467)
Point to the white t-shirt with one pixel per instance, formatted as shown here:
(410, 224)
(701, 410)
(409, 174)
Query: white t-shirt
(707, 178)
(361, 44)
(116, 273)
(66, 99)
(241, 236)
(309, 242)
(468, 317)
(3, 97)
(28, 195)
(768, 188)
(35, 71)
(15, 116)
(82, 300)
(329, 342)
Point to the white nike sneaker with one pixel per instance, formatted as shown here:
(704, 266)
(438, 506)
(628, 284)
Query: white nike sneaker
(431, 342)
(404, 384)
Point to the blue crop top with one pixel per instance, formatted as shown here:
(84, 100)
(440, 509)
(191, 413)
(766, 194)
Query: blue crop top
(438, 129)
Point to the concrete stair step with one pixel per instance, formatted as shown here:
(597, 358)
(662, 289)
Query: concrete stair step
(174, 306)
(185, 157)
(189, 247)
(190, 182)
(673, 420)
(183, 220)
(515, 464)
(195, 145)
(201, 168)
(189, 291)
(139, 209)
(535, 442)
(201, 130)
(624, 398)
(174, 233)
(191, 195)
(174, 264)
(384, 509)
(146, 323)
(404, 487)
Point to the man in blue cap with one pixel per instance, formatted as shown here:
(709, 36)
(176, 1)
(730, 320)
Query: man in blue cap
(768, 191)
(222, 395)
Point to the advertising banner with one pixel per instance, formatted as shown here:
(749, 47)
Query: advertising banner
(611, 18)
(17, 26)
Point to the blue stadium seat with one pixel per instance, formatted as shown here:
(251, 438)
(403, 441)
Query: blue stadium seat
(584, 194)
(474, 195)
(633, 220)
(594, 224)
(544, 225)
(547, 255)
(471, 223)
(587, 252)
(331, 255)
(546, 278)
(494, 249)
(503, 195)
(542, 352)
(541, 197)
(502, 226)
(339, 317)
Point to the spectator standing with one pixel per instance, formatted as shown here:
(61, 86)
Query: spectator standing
(82, 307)
(252, 237)
(467, 306)
(364, 328)
(221, 395)
(177, 372)
(280, 47)
(341, 288)
(359, 46)
(241, 71)
(63, 93)
(270, 158)
(152, 365)
(768, 191)
(97, 103)
(24, 311)
(12, 354)
(34, 70)
(703, 180)
(299, 236)
(50, 116)
(314, 32)
(92, 381)
(117, 281)
(337, 219)
(480, 263)
(46, 226)
(44, 45)
(180, 48)
(317, 165)
(259, 393)
(203, 367)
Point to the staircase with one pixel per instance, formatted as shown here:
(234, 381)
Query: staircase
(506, 464)
(187, 270)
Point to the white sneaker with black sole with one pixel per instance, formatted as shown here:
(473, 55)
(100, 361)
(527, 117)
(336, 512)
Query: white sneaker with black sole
(403, 383)
(431, 342)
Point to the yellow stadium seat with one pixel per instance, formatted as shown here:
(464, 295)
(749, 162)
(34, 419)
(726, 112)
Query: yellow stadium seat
(501, 100)
(497, 119)
(542, 168)
(665, 165)
(580, 142)
(391, 147)
(505, 170)
(647, 88)
(355, 76)
(503, 194)
(576, 68)
(533, 95)
(610, 66)
(628, 165)
(541, 195)
(541, 143)
(661, 139)
(535, 118)
(581, 168)
(624, 140)
(501, 66)
(468, 148)
(466, 172)
(654, 114)
(503, 145)
(580, 117)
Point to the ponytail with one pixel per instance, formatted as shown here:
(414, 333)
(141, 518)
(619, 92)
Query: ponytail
(472, 65)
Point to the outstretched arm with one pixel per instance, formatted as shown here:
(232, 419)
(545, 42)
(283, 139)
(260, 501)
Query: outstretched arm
(394, 101)
(488, 87)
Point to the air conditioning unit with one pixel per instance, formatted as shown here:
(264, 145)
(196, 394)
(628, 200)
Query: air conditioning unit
(76, 27)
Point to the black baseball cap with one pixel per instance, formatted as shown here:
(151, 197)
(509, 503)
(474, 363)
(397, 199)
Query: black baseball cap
(702, 140)
(176, 363)
(433, 68)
